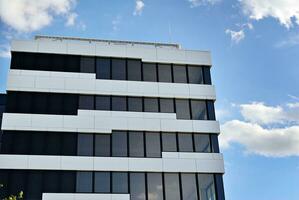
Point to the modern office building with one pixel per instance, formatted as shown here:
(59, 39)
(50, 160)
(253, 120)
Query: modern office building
(89, 119)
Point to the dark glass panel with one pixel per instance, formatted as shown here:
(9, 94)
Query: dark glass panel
(69, 144)
(219, 187)
(58, 62)
(207, 75)
(38, 140)
(7, 142)
(39, 103)
(85, 145)
(134, 70)
(86, 102)
(55, 104)
(17, 181)
(102, 182)
(21, 142)
(119, 144)
(149, 72)
(53, 144)
(70, 104)
(153, 144)
(135, 104)
(12, 102)
(43, 61)
(103, 103)
(151, 105)
(185, 142)
(136, 144)
(27, 61)
(68, 182)
(103, 69)
(166, 105)
(211, 110)
(84, 182)
(189, 190)
(154, 186)
(202, 143)
(51, 182)
(195, 74)
(25, 101)
(34, 185)
(172, 186)
(87, 64)
(72, 63)
(137, 186)
(179, 74)
(15, 62)
(119, 182)
(164, 72)
(169, 142)
(102, 145)
(118, 69)
(206, 187)
(199, 110)
(215, 144)
(182, 109)
(4, 177)
(119, 103)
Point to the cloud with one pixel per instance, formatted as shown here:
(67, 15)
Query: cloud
(71, 19)
(139, 6)
(32, 15)
(289, 42)
(196, 3)
(258, 139)
(285, 11)
(115, 23)
(236, 36)
(5, 51)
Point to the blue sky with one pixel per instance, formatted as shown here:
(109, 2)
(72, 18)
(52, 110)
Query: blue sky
(255, 50)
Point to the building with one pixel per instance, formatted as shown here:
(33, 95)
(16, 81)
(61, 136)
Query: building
(90, 119)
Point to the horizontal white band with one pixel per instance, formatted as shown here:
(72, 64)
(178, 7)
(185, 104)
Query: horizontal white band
(82, 196)
(95, 121)
(199, 162)
(146, 54)
(84, 83)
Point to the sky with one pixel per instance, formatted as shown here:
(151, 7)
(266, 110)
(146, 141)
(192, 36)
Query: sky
(255, 49)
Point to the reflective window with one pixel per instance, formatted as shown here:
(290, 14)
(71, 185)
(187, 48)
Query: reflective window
(137, 186)
(151, 105)
(72, 63)
(68, 182)
(211, 110)
(182, 109)
(164, 72)
(52, 144)
(154, 186)
(169, 142)
(102, 182)
(135, 104)
(85, 145)
(134, 70)
(179, 74)
(149, 72)
(102, 145)
(153, 145)
(206, 187)
(118, 69)
(119, 103)
(119, 144)
(38, 143)
(39, 103)
(86, 102)
(34, 185)
(136, 145)
(189, 190)
(70, 104)
(103, 70)
(185, 142)
(55, 104)
(166, 105)
(43, 61)
(195, 74)
(202, 143)
(214, 141)
(84, 182)
(87, 64)
(172, 186)
(207, 75)
(58, 63)
(119, 182)
(103, 103)
(199, 110)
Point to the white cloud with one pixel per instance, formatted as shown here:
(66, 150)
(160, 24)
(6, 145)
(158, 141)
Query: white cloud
(236, 36)
(71, 19)
(258, 140)
(32, 15)
(285, 11)
(267, 141)
(115, 23)
(289, 42)
(139, 6)
(5, 51)
(196, 3)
